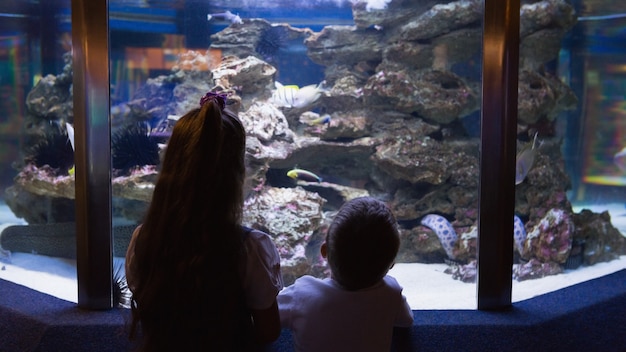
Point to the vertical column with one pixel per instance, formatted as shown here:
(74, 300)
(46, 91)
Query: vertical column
(497, 153)
(93, 153)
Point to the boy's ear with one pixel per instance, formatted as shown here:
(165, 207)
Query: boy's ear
(323, 249)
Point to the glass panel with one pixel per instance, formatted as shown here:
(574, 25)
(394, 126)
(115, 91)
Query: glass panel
(36, 163)
(570, 202)
(390, 110)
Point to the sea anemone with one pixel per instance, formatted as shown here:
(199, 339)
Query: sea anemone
(271, 40)
(133, 146)
(53, 150)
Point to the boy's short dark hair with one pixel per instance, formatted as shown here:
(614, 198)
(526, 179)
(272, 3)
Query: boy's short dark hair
(362, 242)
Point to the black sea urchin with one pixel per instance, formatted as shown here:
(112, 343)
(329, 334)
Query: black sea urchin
(121, 293)
(53, 150)
(271, 40)
(132, 146)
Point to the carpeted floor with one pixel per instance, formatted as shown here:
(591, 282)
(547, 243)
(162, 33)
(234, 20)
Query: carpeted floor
(590, 316)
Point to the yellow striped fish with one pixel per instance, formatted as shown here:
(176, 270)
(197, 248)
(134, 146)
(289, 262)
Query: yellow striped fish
(284, 96)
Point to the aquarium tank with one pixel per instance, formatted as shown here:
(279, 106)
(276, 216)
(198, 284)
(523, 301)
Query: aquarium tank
(339, 99)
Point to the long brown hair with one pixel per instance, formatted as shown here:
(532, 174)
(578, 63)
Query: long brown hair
(188, 253)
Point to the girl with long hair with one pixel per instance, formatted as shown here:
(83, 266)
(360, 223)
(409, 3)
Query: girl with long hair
(199, 280)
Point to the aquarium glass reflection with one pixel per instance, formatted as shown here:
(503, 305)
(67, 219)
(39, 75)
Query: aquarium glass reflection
(339, 99)
(570, 197)
(36, 158)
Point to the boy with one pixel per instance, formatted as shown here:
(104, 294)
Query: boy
(358, 306)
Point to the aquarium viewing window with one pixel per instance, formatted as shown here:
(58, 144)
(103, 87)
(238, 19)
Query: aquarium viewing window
(477, 122)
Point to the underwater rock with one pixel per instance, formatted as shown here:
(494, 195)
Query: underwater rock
(412, 202)
(438, 96)
(344, 45)
(440, 54)
(35, 188)
(463, 272)
(347, 160)
(550, 240)
(600, 240)
(542, 95)
(49, 98)
(535, 269)
(443, 18)
(250, 39)
(334, 194)
(249, 75)
(366, 17)
(267, 123)
(290, 216)
(536, 15)
(341, 125)
(138, 185)
(38, 209)
(420, 245)
(45, 181)
(539, 48)
(543, 25)
(424, 159)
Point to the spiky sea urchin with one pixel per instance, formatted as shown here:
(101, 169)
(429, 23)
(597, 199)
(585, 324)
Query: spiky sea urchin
(121, 293)
(53, 150)
(271, 40)
(132, 146)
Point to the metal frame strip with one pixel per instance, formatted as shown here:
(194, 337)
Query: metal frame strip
(497, 153)
(90, 33)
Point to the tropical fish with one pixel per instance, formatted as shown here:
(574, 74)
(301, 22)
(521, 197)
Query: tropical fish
(525, 160)
(318, 121)
(304, 175)
(619, 159)
(292, 96)
(70, 134)
(284, 95)
(226, 16)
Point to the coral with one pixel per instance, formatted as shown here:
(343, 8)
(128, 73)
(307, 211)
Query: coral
(290, 216)
(551, 239)
(465, 273)
(535, 269)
